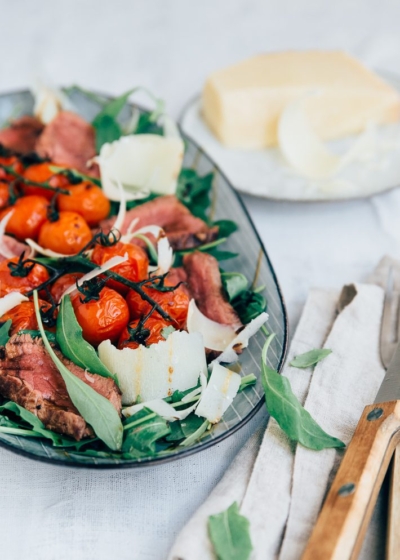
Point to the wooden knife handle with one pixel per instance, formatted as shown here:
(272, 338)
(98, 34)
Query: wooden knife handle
(340, 528)
(393, 534)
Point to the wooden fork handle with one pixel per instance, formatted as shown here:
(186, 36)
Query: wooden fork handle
(343, 521)
(393, 533)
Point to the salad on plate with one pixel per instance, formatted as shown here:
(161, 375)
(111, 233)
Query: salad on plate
(120, 329)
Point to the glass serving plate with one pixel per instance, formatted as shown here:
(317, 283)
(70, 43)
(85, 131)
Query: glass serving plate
(252, 261)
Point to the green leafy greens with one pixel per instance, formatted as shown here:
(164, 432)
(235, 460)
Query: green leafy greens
(292, 417)
(93, 407)
(106, 125)
(310, 358)
(247, 303)
(4, 332)
(229, 533)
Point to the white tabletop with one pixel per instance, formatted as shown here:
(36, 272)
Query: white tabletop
(170, 46)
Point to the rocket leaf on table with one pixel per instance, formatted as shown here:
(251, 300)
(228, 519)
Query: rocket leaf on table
(292, 417)
(310, 358)
(229, 533)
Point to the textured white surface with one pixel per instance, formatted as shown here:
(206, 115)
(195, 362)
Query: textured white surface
(171, 45)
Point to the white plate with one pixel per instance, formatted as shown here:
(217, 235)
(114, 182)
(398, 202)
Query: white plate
(264, 173)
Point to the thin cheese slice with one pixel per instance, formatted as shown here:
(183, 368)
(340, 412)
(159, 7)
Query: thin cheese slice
(242, 104)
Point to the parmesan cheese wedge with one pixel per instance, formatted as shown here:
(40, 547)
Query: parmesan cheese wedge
(242, 104)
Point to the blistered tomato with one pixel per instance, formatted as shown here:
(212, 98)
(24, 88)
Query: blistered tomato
(134, 269)
(23, 316)
(20, 277)
(63, 283)
(68, 234)
(86, 199)
(175, 303)
(150, 332)
(101, 319)
(29, 213)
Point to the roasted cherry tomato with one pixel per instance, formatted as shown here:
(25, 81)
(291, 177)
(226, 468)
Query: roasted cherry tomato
(135, 268)
(41, 173)
(86, 199)
(175, 303)
(63, 283)
(29, 214)
(19, 276)
(23, 316)
(101, 319)
(14, 163)
(4, 194)
(148, 333)
(67, 235)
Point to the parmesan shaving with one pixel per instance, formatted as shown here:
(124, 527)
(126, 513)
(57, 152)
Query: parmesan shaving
(161, 408)
(306, 153)
(143, 163)
(241, 340)
(215, 336)
(42, 251)
(155, 372)
(222, 388)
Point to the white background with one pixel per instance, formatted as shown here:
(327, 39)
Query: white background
(170, 46)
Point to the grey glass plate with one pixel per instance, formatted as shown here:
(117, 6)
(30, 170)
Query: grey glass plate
(252, 261)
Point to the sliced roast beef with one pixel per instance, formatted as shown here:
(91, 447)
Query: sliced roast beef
(68, 140)
(178, 275)
(184, 230)
(21, 135)
(15, 247)
(205, 286)
(29, 377)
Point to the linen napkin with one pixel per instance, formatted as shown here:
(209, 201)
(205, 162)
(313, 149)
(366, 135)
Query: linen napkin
(281, 487)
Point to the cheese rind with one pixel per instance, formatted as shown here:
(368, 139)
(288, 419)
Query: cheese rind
(242, 104)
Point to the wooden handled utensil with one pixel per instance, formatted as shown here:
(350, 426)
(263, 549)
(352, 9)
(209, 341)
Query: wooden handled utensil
(344, 518)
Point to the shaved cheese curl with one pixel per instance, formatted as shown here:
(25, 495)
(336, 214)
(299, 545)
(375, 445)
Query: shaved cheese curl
(241, 340)
(222, 388)
(216, 336)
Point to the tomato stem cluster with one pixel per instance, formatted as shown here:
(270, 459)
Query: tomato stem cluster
(45, 185)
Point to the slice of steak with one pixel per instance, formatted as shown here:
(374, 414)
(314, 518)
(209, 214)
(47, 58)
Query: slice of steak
(205, 285)
(68, 140)
(177, 275)
(21, 135)
(29, 377)
(15, 247)
(183, 230)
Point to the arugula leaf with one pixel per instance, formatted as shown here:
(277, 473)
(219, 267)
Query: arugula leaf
(4, 330)
(176, 432)
(282, 404)
(142, 437)
(194, 192)
(226, 227)
(73, 345)
(190, 429)
(247, 381)
(248, 305)
(33, 421)
(105, 122)
(221, 255)
(229, 533)
(234, 283)
(107, 130)
(146, 125)
(93, 407)
(310, 358)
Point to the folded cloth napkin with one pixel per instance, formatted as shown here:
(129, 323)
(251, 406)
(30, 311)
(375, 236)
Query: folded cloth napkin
(280, 486)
